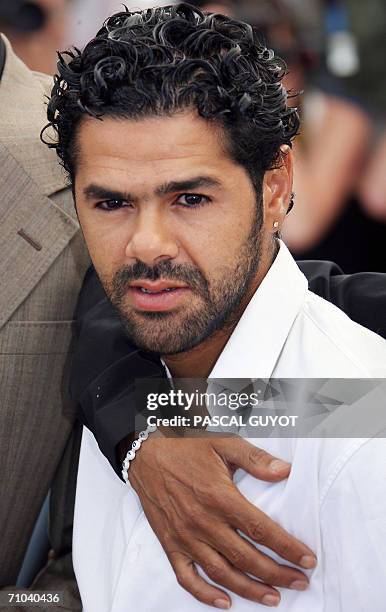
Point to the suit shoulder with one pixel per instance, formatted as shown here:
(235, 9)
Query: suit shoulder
(46, 82)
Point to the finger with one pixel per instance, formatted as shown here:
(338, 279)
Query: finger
(189, 579)
(223, 573)
(252, 459)
(246, 558)
(263, 530)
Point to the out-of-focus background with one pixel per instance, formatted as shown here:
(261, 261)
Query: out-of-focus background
(336, 54)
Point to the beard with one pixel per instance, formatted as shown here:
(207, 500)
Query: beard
(217, 305)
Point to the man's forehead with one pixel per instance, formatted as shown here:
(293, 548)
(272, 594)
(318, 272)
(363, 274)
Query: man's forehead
(144, 156)
(151, 139)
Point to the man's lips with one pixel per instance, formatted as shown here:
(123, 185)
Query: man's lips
(157, 296)
(156, 286)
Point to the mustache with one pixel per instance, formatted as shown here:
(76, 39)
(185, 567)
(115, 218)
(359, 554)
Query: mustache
(165, 270)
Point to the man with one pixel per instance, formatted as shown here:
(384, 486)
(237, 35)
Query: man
(38, 301)
(33, 155)
(195, 137)
(43, 261)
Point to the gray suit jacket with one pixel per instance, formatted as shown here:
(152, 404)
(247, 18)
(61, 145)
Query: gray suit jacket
(42, 264)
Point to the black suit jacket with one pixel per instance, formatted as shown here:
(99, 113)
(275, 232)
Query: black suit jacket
(106, 363)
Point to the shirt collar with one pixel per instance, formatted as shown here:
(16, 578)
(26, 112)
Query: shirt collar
(254, 348)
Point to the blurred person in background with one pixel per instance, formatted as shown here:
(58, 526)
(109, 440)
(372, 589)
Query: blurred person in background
(36, 29)
(368, 85)
(327, 162)
(345, 219)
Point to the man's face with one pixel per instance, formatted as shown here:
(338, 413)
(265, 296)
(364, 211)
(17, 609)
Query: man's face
(172, 225)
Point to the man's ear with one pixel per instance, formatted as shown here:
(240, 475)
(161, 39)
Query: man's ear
(277, 191)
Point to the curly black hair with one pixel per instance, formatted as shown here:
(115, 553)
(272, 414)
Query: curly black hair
(161, 60)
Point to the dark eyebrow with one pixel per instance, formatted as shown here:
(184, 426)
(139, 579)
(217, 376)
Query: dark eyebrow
(97, 192)
(187, 185)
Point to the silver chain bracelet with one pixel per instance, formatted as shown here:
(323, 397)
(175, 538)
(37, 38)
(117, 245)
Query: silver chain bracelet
(134, 449)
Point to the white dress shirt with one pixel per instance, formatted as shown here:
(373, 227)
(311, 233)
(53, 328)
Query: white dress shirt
(334, 499)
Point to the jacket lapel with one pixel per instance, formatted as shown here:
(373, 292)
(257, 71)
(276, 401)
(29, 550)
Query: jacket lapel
(34, 232)
(36, 212)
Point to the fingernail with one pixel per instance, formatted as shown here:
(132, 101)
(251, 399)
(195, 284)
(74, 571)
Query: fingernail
(308, 562)
(223, 604)
(271, 600)
(299, 585)
(279, 466)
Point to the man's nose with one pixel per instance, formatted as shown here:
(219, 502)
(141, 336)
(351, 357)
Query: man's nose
(152, 240)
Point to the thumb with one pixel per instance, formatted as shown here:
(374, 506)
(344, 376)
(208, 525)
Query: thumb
(256, 461)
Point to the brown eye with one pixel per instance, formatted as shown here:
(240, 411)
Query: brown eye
(192, 200)
(111, 205)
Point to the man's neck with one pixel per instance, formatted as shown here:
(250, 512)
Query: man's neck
(2, 56)
(200, 361)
